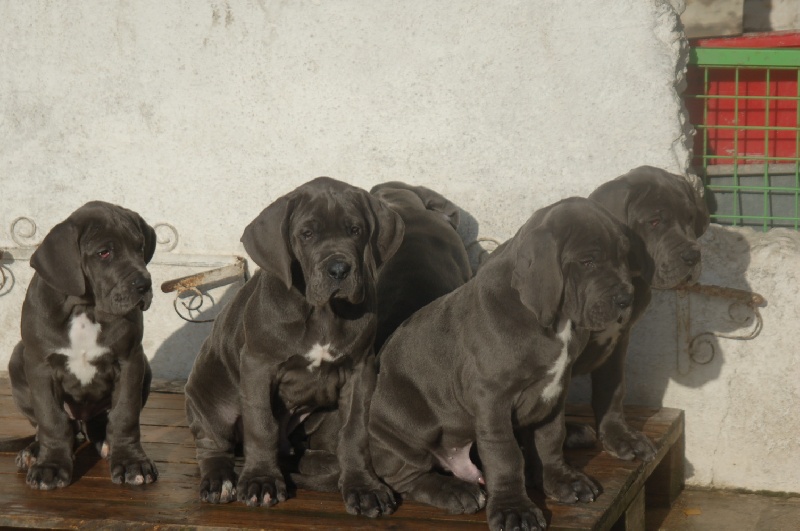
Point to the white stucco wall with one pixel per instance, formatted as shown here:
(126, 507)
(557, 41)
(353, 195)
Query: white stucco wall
(200, 114)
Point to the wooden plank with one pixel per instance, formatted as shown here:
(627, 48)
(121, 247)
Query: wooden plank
(93, 501)
(633, 518)
(667, 480)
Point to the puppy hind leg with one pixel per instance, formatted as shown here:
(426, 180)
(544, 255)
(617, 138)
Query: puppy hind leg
(453, 494)
(27, 457)
(20, 390)
(215, 454)
(410, 471)
(580, 435)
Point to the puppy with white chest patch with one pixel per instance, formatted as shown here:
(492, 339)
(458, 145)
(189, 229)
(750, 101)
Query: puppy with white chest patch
(494, 357)
(296, 338)
(80, 364)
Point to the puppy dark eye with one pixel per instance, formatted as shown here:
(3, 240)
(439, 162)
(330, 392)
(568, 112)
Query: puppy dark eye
(355, 231)
(306, 234)
(104, 254)
(588, 262)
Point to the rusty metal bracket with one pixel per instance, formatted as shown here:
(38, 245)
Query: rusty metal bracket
(700, 349)
(206, 279)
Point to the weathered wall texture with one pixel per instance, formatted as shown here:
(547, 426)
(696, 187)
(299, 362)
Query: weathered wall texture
(200, 114)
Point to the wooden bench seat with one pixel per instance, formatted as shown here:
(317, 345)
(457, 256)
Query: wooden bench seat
(92, 501)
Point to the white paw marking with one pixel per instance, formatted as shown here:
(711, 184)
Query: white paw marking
(553, 388)
(320, 353)
(227, 490)
(83, 348)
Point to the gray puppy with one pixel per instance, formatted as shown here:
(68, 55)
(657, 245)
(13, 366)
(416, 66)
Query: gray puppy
(495, 356)
(297, 337)
(80, 364)
(431, 262)
(665, 216)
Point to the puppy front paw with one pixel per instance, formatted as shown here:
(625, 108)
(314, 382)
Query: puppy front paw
(567, 485)
(261, 489)
(624, 443)
(218, 484)
(133, 471)
(367, 496)
(48, 475)
(507, 514)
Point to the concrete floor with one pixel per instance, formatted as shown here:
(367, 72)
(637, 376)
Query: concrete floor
(712, 510)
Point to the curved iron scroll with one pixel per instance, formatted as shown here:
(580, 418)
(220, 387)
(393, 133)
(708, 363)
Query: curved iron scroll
(700, 349)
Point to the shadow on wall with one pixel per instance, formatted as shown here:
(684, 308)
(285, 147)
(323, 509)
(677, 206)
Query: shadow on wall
(175, 356)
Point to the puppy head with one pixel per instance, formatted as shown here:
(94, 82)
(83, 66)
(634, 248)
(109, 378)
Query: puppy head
(337, 235)
(401, 195)
(100, 252)
(666, 214)
(571, 262)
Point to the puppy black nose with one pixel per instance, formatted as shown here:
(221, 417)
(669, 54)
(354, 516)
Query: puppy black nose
(142, 285)
(691, 256)
(338, 270)
(623, 300)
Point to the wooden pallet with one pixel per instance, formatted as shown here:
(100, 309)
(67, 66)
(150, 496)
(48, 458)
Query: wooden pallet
(92, 501)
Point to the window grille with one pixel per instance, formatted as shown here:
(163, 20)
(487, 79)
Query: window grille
(743, 103)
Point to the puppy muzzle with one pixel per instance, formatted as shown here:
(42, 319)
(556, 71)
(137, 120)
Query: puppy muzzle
(684, 267)
(133, 291)
(614, 307)
(336, 277)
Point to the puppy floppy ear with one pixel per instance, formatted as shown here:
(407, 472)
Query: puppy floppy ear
(266, 239)
(640, 262)
(614, 196)
(537, 275)
(386, 230)
(701, 215)
(438, 203)
(58, 260)
(149, 234)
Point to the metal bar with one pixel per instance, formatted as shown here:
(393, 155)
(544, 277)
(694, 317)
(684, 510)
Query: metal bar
(747, 127)
(766, 152)
(744, 57)
(226, 274)
(730, 97)
(744, 188)
(752, 169)
(744, 217)
(736, 206)
(705, 130)
(797, 154)
(749, 156)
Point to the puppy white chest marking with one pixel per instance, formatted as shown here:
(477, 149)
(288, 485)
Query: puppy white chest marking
(553, 388)
(83, 348)
(318, 354)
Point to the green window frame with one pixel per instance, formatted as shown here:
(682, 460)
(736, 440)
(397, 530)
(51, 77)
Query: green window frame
(757, 187)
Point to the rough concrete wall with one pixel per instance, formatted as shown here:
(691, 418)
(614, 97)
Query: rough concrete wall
(200, 114)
